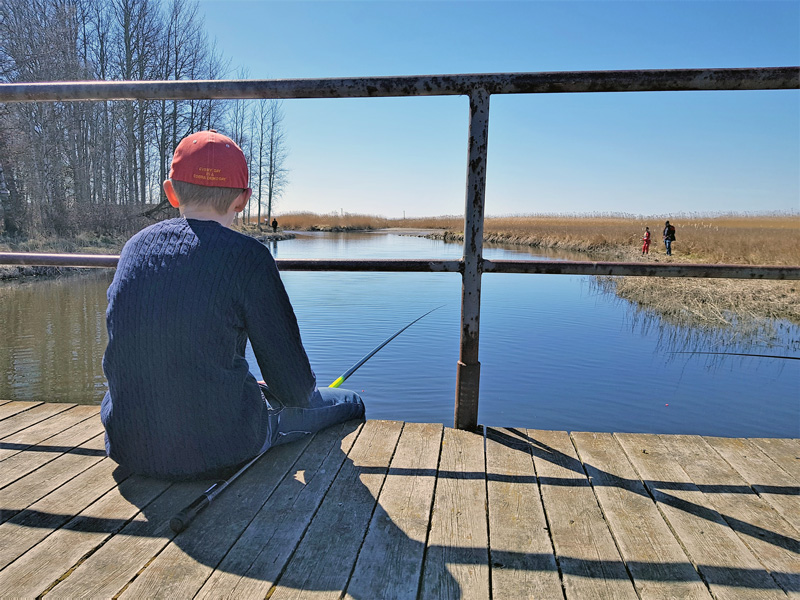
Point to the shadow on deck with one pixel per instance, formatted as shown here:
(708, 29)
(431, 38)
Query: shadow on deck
(387, 509)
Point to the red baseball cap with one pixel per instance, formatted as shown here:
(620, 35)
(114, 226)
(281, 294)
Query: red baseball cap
(211, 159)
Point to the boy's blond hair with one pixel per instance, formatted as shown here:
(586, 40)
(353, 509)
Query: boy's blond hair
(218, 198)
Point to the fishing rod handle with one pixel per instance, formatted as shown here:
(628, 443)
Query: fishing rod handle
(184, 518)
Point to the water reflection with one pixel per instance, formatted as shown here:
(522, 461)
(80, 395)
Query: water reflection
(54, 336)
(692, 335)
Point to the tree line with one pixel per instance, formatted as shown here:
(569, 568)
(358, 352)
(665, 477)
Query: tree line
(74, 167)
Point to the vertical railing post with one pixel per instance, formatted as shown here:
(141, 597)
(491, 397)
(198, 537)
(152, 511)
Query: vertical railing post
(468, 372)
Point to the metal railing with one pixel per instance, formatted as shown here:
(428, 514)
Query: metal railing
(421, 265)
(478, 88)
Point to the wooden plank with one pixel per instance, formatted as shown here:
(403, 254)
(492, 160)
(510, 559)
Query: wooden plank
(40, 519)
(785, 452)
(30, 475)
(30, 417)
(190, 558)
(590, 563)
(9, 409)
(772, 483)
(324, 559)
(41, 567)
(44, 430)
(655, 559)
(390, 560)
(457, 560)
(725, 563)
(521, 554)
(257, 559)
(773, 541)
(106, 572)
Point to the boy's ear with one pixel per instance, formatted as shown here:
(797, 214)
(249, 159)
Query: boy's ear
(171, 195)
(241, 200)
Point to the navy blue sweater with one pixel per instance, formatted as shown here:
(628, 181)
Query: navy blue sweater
(186, 296)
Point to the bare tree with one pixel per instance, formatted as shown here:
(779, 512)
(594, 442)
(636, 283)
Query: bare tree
(40, 42)
(136, 48)
(268, 155)
(276, 153)
(60, 158)
(260, 126)
(184, 53)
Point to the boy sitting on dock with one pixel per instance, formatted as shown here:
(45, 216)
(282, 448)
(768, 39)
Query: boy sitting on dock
(187, 295)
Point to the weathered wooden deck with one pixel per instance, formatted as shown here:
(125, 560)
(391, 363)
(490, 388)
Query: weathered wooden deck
(405, 510)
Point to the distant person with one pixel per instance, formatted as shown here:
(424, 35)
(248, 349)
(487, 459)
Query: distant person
(274, 225)
(646, 241)
(669, 237)
(187, 296)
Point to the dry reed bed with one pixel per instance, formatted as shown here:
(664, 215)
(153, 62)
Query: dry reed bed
(737, 305)
(773, 240)
(307, 221)
(744, 305)
(735, 240)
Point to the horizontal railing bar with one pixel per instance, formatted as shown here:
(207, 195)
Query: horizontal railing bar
(285, 264)
(36, 259)
(645, 80)
(379, 265)
(636, 269)
(545, 267)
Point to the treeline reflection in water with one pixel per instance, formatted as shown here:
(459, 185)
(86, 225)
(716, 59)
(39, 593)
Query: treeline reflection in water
(556, 351)
(53, 338)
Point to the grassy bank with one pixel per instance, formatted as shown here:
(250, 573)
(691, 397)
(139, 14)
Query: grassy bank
(306, 221)
(741, 310)
(81, 244)
(735, 239)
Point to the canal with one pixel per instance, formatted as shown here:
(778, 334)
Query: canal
(556, 351)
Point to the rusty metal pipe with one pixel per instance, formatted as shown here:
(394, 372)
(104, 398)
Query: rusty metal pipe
(644, 80)
(468, 370)
(637, 269)
(284, 264)
(545, 267)
(36, 259)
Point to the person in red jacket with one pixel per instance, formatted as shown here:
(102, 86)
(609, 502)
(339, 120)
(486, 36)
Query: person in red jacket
(646, 241)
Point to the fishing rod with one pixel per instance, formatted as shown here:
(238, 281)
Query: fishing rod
(340, 380)
(184, 518)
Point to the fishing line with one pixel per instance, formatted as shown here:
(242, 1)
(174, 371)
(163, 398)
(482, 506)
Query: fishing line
(739, 354)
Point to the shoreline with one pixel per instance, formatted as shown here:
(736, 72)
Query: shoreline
(734, 305)
(696, 302)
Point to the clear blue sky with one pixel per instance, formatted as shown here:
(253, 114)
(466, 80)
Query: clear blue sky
(641, 153)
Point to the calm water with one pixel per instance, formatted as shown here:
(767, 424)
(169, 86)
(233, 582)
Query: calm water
(556, 353)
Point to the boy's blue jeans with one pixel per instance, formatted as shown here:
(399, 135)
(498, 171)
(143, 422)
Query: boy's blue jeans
(327, 406)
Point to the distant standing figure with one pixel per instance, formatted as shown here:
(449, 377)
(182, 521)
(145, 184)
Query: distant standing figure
(669, 237)
(274, 225)
(646, 241)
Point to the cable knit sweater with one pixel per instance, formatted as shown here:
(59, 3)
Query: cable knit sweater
(182, 402)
